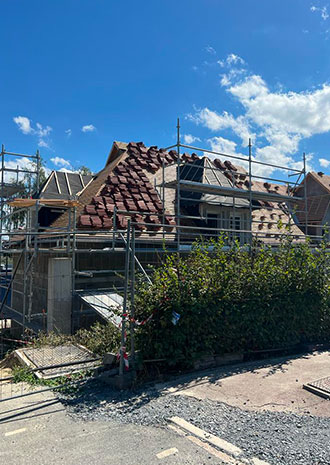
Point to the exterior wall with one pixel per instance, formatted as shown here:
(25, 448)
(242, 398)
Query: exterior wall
(314, 188)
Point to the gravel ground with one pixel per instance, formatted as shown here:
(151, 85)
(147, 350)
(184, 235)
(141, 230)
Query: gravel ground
(279, 438)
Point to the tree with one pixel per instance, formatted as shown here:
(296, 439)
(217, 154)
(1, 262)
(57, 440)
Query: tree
(84, 170)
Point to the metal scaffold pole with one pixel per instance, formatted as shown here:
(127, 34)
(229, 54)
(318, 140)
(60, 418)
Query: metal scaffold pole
(305, 194)
(132, 309)
(73, 265)
(38, 170)
(2, 196)
(250, 192)
(124, 314)
(178, 193)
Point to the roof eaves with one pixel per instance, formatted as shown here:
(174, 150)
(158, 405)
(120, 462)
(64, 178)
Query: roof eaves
(116, 150)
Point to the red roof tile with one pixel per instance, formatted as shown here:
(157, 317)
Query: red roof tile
(107, 222)
(96, 222)
(121, 222)
(90, 209)
(142, 206)
(84, 221)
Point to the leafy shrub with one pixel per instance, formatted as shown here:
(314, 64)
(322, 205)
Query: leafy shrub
(99, 338)
(234, 300)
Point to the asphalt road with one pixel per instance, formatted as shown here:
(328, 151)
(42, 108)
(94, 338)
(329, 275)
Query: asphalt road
(36, 430)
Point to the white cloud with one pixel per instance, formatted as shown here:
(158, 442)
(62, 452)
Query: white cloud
(322, 10)
(279, 119)
(324, 162)
(294, 114)
(215, 122)
(225, 80)
(43, 143)
(210, 50)
(68, 132)
(22, 163)
(222, 145)
(43, 132)
(68, 170)
(251, 87)
(58, 161)
(88, 128)
(234, 68)
(190, 139)
(24, 124)
(231, 60)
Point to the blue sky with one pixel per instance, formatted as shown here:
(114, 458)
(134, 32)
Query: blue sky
(78, 74)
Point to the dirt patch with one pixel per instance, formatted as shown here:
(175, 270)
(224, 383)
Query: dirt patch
(275, 385)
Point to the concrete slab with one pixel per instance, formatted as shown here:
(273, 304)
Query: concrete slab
(275, 385)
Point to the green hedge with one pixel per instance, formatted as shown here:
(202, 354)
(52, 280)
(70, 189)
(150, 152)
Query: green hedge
(234, 300)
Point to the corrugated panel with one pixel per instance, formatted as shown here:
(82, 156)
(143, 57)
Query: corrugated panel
(105, 304)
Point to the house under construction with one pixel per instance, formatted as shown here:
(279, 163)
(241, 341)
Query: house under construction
(85, 236)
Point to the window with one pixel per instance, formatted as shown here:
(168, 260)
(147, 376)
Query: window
(225, 222)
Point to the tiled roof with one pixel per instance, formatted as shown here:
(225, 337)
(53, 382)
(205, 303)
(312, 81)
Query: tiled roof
(127, 185)
(127, 188)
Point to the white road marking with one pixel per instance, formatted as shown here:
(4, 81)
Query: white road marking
(16, 431)
(217, 453)
(167, 452)
(214, 440)
(228, 452)
(257, 461)
(211, 450)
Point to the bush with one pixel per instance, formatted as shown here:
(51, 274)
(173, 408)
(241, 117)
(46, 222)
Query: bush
(234, 300)
(99, 338)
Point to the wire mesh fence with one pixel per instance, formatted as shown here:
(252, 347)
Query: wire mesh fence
(31, 369)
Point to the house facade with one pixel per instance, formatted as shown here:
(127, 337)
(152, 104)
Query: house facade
(316, 188)
(171, 202)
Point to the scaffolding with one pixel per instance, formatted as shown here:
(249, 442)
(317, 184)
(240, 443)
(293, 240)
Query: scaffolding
(131, 247)
(14, 179)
